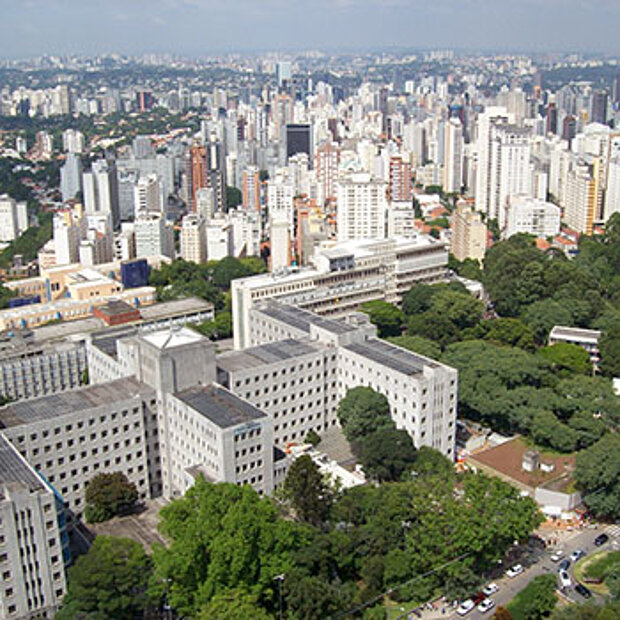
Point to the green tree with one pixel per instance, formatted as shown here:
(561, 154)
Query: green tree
(108, 495)
(547, 430)
(222, 537)
(541, 316)
(363, 411)
(386, 454)
(227, 270)
(417, 344)
(589, 611)
(5, 295)
(110, 581)
(567, 359)
(306, 490)
(597, 473)
(510, 332)
(234, 604)
(609, 347)
(387, 317)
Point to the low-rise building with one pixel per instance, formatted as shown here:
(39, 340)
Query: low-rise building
(585, 338)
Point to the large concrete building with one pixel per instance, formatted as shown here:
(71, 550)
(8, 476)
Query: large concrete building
(344, 277)
(163, 409)
(33, 540)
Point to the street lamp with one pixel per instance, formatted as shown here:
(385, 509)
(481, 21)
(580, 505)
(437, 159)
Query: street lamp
(279, 579)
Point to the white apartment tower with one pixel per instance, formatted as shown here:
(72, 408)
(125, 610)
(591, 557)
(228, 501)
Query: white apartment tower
(453, 156)
(147, 194)
(154, 236)
(13, 218)
(362, 206)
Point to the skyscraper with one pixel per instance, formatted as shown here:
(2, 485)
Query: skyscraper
(298, 140)
(399, 187)
(71, 177)
(453, 156)
(599, 107)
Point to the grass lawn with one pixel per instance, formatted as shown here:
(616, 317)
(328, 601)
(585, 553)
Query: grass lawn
(596, 566)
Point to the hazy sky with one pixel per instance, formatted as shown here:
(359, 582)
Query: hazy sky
(31, 27)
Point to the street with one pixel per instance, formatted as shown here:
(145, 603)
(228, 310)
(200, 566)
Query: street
(509, 588)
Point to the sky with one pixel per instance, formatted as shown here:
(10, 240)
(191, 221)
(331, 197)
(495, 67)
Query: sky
(34, 27)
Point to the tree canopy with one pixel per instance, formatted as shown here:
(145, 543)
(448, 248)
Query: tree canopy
(110, 581)
(363, 411)
(108, 495)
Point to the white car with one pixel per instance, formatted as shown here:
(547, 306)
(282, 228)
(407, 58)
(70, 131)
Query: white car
(465, 607)
(565, 579)
(556, 556)
(487, 604)
(492, 588)
(513, 571)
(577, 555)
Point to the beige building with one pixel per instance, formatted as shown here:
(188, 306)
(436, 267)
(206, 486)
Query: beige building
(194, 238)
(469, 233)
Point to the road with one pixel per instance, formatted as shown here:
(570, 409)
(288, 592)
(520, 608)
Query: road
(509, 588)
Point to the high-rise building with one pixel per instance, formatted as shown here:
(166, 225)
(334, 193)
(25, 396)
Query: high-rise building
(284, 73)
(100, 187)
(580, 201)
(486, 121)
(142, 147)
(68, 230)
(280, 244)
(469, 233)
(73, 141)
(362, 206)
(71, 177)
(13, 218)
(453, 156)
(298, 140)
(612, 196)
(144, 100)
(399, 183)
(505, 169)
(196, 172)
(147, 194)
(251, 188)
(154, 235)
(193, 238)
(327, 164)
(599, 107)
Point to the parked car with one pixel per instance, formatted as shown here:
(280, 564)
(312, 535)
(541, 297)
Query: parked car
(513, 571)
(478, 597)
(492, 588)
(577, 555)
(465, 607)
(563, 565)
(557, 555)
(565, 579)
(581, 589)
(601, 539)
(487, 604)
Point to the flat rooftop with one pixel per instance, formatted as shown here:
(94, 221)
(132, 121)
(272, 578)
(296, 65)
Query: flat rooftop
(265, 354)
(154, 312)
(575, 333)
(303, 319)
(220, 406)
(57, 405)
(13, 468)
(106, 341)
(400, 360)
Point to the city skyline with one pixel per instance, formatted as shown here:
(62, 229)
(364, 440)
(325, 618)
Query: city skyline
(204, 26)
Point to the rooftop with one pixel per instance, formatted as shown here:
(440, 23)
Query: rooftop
(393, 357)
(56, 405)
(14, 469)
(265, 354)
(575, 333)
(173, 337)
(303, 319)
(116, 307)
(220, 406)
